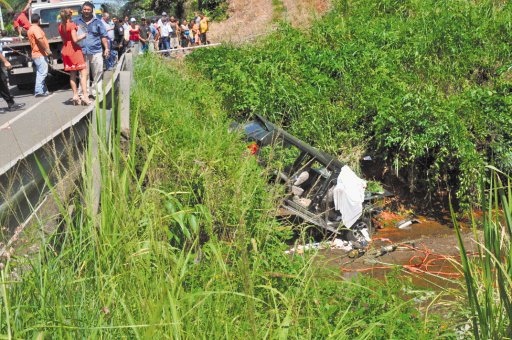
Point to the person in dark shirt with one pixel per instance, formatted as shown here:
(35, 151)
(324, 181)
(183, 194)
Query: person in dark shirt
(119, 43)
(4, 88)
(144, 35)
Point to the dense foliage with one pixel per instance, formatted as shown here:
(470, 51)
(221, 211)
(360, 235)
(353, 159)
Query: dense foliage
(182, 9)
(424, 84)
(150, 264)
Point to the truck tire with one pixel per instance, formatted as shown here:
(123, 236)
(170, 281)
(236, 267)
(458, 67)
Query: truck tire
(354, 234)
(25, 87)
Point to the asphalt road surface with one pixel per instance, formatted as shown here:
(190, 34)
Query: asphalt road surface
(41, 119)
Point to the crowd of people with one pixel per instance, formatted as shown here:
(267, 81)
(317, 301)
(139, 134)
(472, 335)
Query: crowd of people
(162, 33)
(92, 45)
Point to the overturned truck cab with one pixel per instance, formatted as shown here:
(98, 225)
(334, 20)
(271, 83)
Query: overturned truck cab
(319, 189)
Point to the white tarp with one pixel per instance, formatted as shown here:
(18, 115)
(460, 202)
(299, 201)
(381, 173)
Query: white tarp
(349, 196)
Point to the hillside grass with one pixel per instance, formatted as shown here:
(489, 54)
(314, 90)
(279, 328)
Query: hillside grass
(184, 245)
(422, 85)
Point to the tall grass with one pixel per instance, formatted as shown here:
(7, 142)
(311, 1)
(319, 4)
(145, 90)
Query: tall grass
(489, 274)
(183, 244)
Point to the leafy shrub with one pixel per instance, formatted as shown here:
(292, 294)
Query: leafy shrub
(139, 268)
(426, 84)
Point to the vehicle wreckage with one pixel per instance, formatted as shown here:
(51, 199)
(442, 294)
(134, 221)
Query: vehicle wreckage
(320, 189)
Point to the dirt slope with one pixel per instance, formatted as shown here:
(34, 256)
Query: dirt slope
(300, 13)
(249, 19)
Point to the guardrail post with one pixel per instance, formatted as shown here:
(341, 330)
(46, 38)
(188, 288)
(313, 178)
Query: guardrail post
(128, 64)
(124, 105)
(95, 164)
(25, 198)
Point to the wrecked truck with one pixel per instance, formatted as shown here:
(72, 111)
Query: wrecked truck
(319, 189)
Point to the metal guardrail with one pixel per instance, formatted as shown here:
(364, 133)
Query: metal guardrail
(183, 49)
(22, 181)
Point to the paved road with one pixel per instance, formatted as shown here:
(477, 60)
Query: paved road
(23, 131)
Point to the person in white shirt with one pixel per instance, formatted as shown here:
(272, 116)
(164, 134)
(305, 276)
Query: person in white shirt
(109, 27)
(164, 30)
(126, 26)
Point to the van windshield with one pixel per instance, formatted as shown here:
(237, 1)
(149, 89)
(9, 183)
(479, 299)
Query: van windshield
(52, 15)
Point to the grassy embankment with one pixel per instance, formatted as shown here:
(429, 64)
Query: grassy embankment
(184, 244)
(488, 273)
(422, 85)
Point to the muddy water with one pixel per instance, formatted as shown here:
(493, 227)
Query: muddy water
(427, 254)
(425, 229)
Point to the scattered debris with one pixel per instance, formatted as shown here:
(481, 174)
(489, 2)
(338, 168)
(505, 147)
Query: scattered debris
(356, 253)
(386, 249)
(335, 244)
(404, 224)
(341, 244)
(198, 257)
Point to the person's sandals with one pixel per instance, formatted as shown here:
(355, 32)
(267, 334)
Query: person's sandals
(86, 101)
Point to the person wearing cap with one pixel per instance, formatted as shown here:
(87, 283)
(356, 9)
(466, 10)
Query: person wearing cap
(134, 32)
(92, 45)
(164, 29)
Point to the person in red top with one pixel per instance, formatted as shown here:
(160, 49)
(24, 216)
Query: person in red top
(72, 56)
(134, 32)
(21, 19)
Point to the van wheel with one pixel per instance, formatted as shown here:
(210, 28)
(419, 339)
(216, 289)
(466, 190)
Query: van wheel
(356, 235)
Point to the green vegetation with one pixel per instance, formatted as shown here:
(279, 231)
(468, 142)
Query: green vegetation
(424, 84)
(184, 244)
(489, 274)
(278, 10)
(215, 9)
